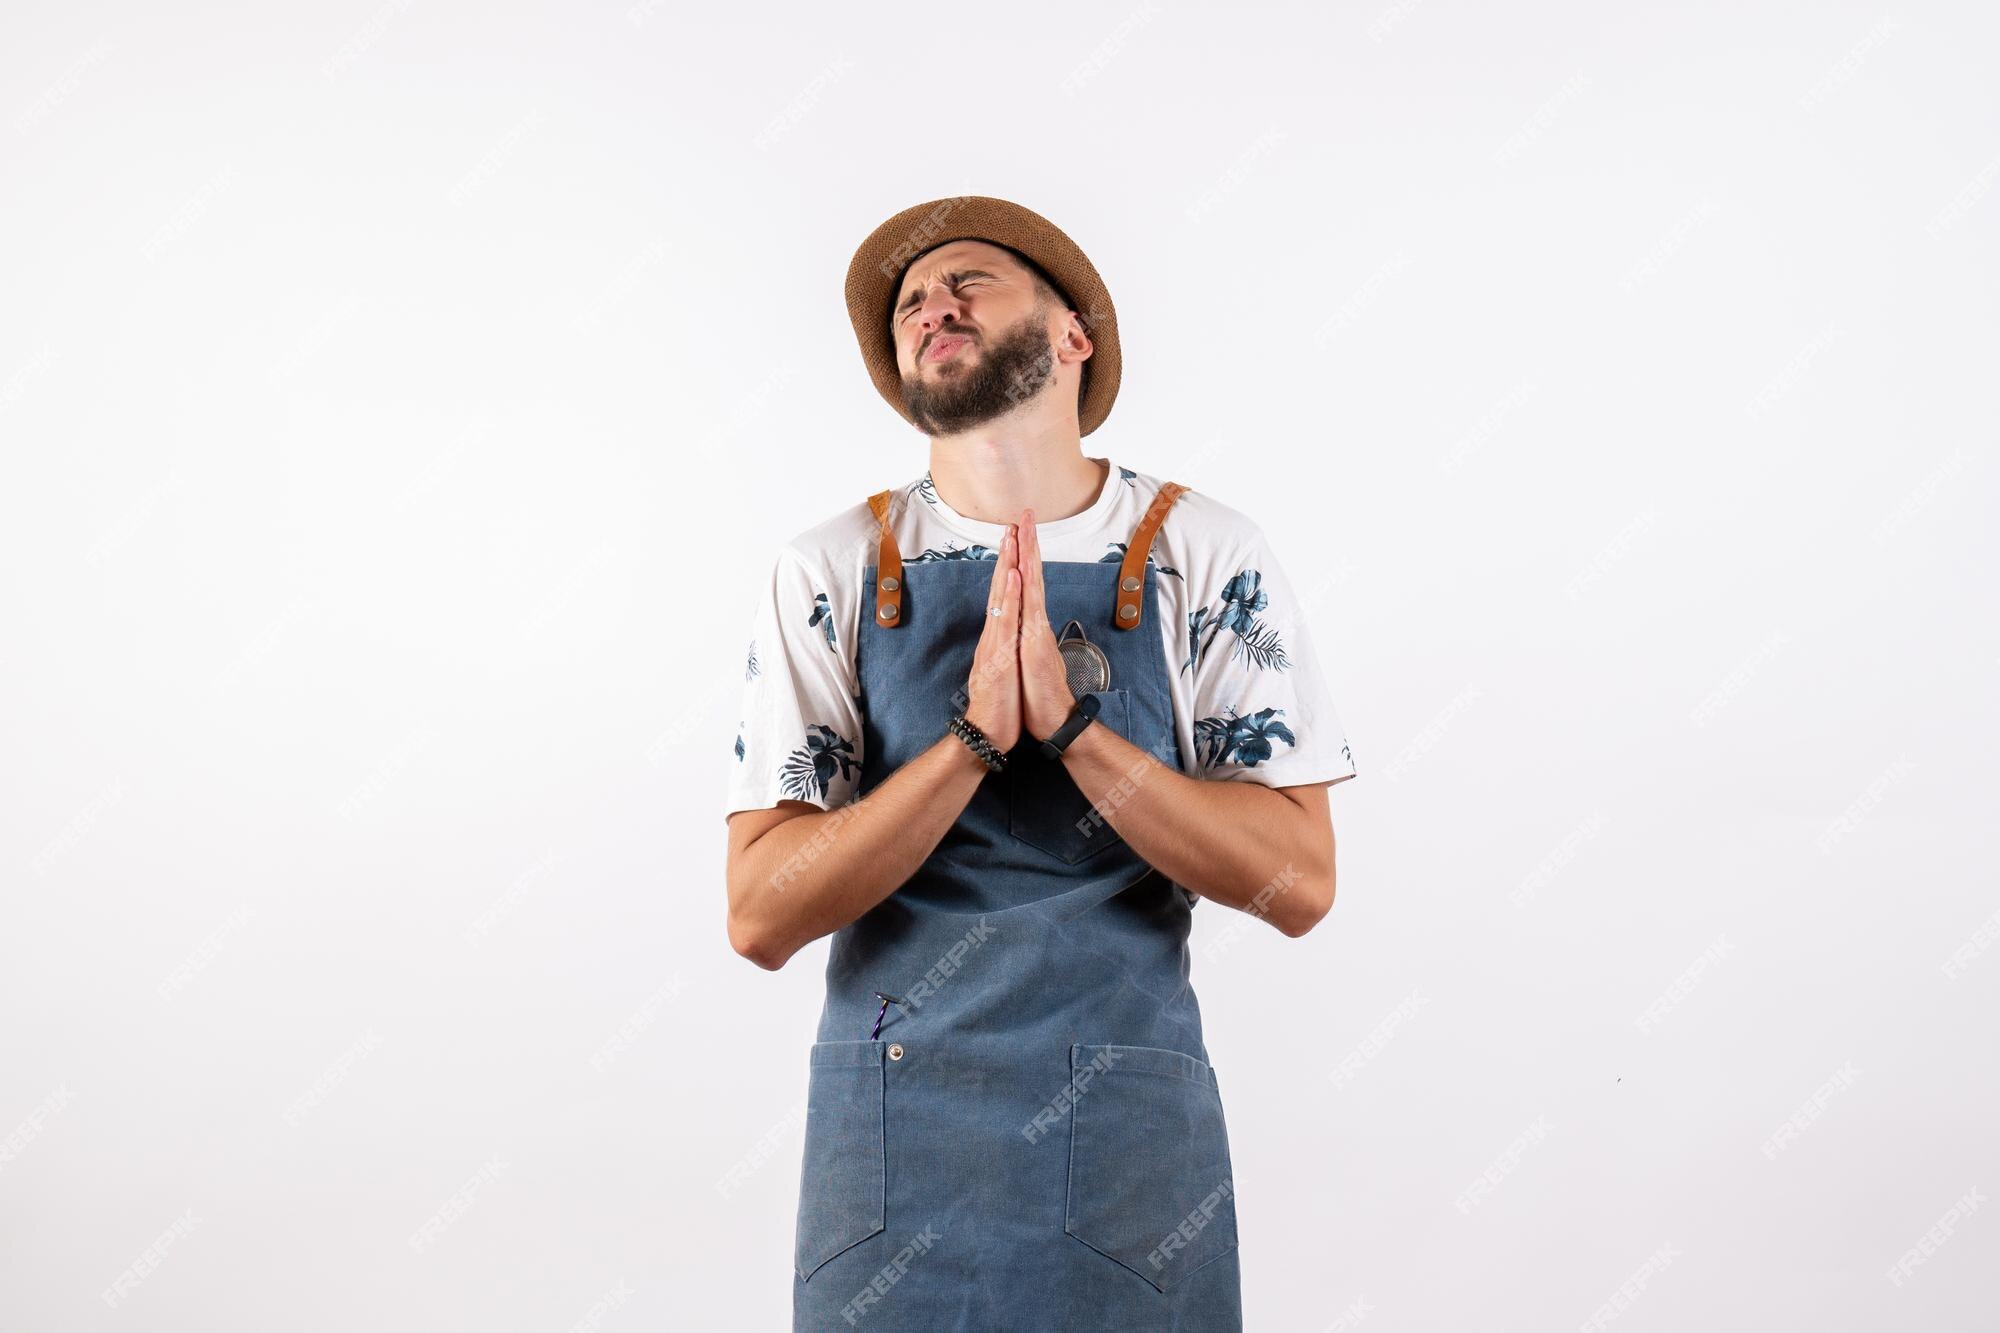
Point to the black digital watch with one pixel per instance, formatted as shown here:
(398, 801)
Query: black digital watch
(1079, 718)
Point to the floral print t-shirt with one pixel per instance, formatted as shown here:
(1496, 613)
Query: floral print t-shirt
(1250, 703)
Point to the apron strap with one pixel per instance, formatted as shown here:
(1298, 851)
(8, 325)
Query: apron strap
(888, 568)
(1132, 572)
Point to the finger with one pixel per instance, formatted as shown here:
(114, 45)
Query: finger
(1010, 607)
(1001, 564)
(1039, 624)
(995, 650)
(999, 647)
(1003, 567)
(1031, 569)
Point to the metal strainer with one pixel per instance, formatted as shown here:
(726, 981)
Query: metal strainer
(1085, 666)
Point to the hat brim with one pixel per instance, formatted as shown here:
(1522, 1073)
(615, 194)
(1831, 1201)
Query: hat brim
(876, 272)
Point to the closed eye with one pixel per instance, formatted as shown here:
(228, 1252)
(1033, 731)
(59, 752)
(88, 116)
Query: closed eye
(913, 308)
(954, 281)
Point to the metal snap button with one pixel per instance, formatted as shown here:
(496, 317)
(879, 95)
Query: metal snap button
(1127, 612)
(888, 611)
(891, 583)
(895, 1050)
(1130, 584)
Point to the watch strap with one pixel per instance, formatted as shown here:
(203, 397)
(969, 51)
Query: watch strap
(1079, 718)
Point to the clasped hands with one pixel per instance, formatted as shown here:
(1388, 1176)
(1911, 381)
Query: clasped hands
(1017, 682)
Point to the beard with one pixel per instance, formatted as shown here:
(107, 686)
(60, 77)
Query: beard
(968, 391)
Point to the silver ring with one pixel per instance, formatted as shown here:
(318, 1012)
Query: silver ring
(993, 610)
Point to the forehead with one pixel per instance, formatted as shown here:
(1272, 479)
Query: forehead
(932, 264)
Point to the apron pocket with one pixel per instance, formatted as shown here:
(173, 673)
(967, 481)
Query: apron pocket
(843, 1186)
(1149, 1176)
(1045, 808)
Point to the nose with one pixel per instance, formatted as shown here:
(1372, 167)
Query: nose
(939, 310)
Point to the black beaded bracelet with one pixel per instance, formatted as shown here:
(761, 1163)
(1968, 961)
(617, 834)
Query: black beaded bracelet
(975, 738)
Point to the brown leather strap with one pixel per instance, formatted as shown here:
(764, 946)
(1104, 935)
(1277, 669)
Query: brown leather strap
(888, 568)
(1132, 572)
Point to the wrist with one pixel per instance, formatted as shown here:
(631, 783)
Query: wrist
(963, 732)
(963, 758)
(1074, 726)
(1089, 744)
(1041, 728)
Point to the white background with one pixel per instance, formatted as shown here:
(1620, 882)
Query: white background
(401, 407)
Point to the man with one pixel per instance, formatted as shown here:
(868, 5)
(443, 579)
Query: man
(1003, 727)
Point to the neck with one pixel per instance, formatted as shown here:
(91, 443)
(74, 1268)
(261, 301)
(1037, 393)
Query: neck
(992, 482)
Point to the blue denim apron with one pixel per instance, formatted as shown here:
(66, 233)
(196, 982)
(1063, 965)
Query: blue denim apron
(1032, 1139)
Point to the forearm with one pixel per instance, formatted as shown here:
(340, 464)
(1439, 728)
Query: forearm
(812, 874)
(1241, 844)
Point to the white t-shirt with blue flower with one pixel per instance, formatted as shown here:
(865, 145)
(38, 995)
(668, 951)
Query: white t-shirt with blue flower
(1250, 701)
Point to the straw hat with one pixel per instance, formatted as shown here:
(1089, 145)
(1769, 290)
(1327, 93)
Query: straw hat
(876, 271)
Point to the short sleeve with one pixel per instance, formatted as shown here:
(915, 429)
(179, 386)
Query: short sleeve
(1262, 710)
(799, 730)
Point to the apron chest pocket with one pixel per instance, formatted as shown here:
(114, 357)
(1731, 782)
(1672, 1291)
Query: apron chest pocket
(843, 1186)
(1046, 809)
(1149, 1175)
